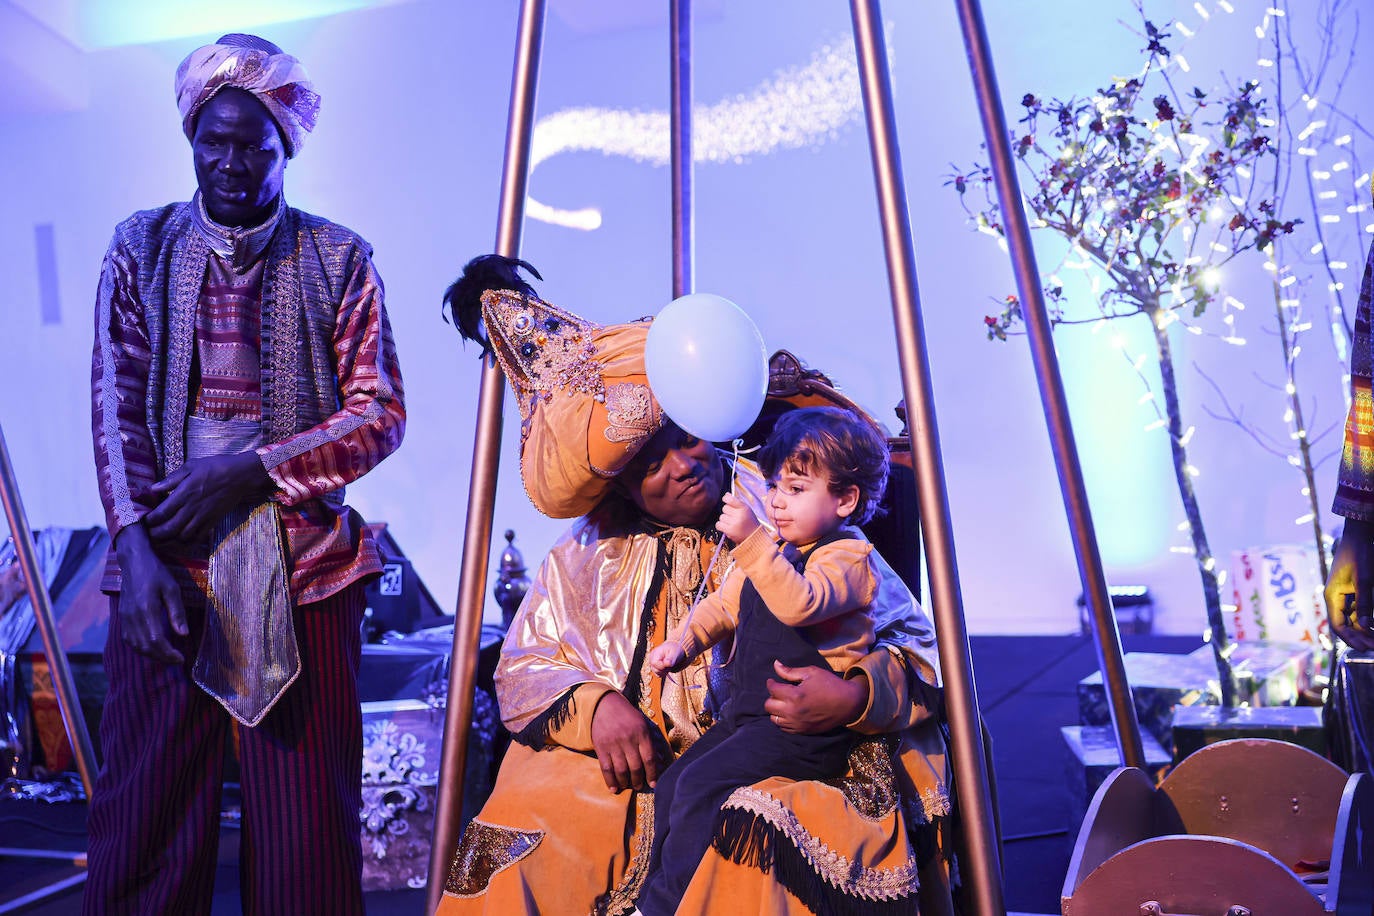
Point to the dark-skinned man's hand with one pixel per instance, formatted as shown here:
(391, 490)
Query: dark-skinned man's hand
(149, 605)
(1350, 586)
(623, 740)
(201, 492)
(810, 700)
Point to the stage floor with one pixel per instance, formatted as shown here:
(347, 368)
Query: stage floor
(1026, 689)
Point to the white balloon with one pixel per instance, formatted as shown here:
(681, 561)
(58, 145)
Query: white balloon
(707, 366)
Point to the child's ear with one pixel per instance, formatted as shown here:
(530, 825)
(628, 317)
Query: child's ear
(849, 501)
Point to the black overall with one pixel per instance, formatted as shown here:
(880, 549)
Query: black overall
(741, 749)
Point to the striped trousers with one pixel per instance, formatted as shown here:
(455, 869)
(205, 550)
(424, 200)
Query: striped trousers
(154, 813)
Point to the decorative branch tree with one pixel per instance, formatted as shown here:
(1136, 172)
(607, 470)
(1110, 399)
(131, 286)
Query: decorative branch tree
(1314, 151)
(1155, 191)
(1317, 144)
(1316, 173)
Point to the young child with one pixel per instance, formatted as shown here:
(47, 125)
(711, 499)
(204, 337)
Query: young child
(802, 601)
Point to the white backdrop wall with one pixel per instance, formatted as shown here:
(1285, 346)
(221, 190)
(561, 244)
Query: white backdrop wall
(409, 150)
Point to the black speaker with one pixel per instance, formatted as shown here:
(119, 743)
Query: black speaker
(397, 601)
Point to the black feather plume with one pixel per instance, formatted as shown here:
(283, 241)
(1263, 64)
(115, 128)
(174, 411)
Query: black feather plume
(463, 300)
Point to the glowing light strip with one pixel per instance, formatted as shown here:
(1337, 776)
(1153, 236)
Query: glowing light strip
(798, 107)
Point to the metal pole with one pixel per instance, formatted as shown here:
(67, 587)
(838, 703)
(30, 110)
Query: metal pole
(486, 452)
(68, 703)
(684, 215)
(27, 901)
(981, 869)
(1106, 637)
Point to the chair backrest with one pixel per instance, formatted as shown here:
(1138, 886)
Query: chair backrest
(1273, 795)
(895, 532)
(1191, 874)
(1121, 813)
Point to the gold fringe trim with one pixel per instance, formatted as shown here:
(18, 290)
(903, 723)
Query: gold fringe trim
(849, 877)
(621, 898)
(935, 802)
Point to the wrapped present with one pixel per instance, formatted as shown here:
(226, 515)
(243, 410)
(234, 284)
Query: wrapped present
(398, 824)
(51, 746)
(401, 751)
(1198, 726)
(1268, 673)
(402, 742)
(71, 561)
(1092, 755)
(1276, 595)
(1159, 682)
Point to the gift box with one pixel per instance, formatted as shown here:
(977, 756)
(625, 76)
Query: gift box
(1276, 595)
(48, 744)
(1092, 756)
(401, 751)
(1198, 726)
(1268, 673)
(1159, 682)
(398, 824)
(402, 748)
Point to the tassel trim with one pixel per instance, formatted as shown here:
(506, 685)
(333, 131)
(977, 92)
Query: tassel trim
(620, 899)
(756, 830)
(536, 733)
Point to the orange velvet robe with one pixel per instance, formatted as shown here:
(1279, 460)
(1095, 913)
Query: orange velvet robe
(553, 840)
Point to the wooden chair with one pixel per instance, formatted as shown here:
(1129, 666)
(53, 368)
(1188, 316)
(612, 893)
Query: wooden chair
(1244, 826)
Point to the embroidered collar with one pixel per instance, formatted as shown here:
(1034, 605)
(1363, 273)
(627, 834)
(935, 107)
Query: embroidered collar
(241, 246)
(667, 532)
(683, 545)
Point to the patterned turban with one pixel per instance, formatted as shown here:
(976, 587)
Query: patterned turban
(254, 65)
(583, 393)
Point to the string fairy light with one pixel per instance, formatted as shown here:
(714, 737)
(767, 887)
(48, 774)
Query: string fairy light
(1309, 151)
(1192, 281)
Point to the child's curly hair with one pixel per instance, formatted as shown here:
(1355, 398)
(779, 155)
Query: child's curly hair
(835, 442)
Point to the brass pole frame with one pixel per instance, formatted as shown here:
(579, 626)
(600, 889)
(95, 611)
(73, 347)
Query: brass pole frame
(1106, 637)
(56, 889)
(684, 213)
(980, 867)
(68, 703)
(486, 454)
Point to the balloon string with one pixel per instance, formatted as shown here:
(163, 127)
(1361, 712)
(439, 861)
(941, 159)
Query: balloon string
(736, 451)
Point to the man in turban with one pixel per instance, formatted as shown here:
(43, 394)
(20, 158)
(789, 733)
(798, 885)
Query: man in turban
(243, 373)
(568, 826)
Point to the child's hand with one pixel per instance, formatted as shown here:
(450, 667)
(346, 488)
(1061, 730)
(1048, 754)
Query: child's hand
(737, 522)
(666, 656)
